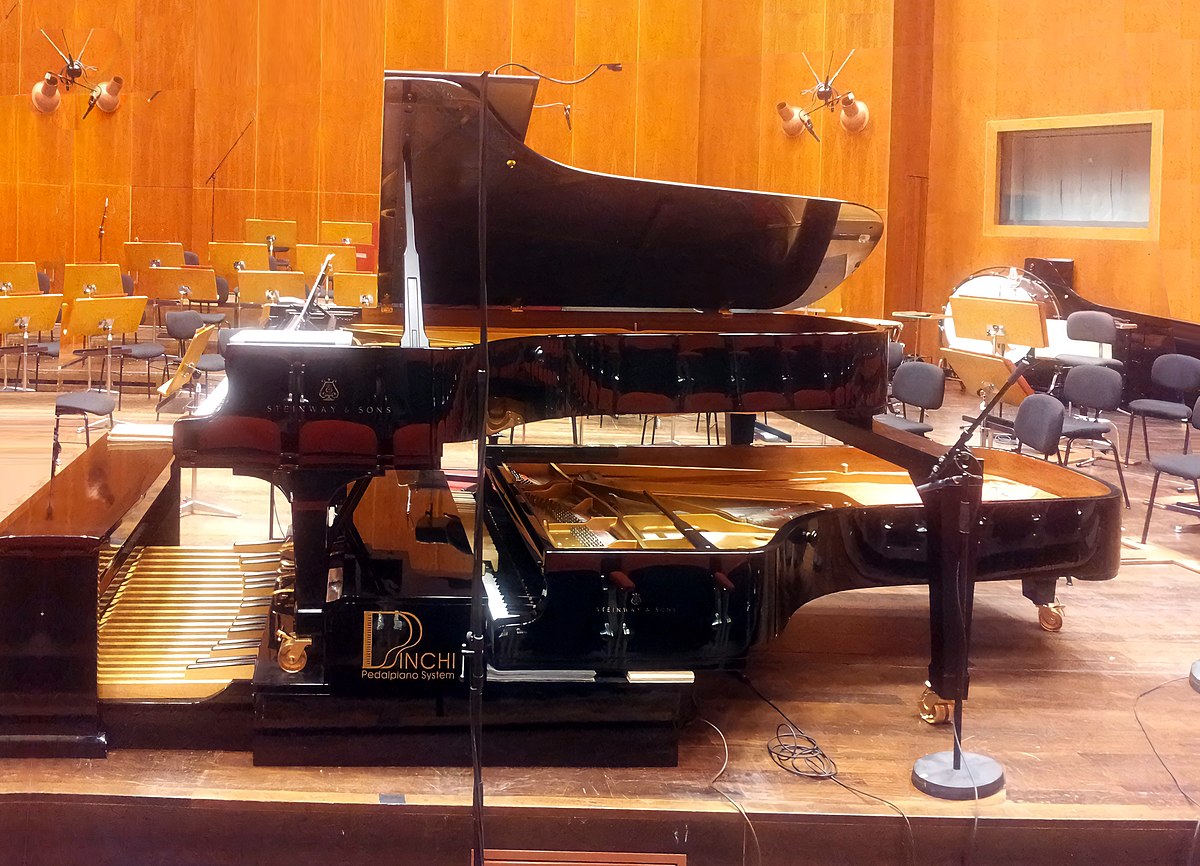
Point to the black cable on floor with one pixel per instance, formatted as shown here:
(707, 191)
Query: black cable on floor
(796, 752)
(713, 784)
(1191, 856)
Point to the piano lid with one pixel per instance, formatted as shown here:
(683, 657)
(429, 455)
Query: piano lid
(566, 237)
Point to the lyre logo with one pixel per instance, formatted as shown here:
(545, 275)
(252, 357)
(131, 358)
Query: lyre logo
(329, 390)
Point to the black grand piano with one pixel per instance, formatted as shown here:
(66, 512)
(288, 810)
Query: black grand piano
(614, 573)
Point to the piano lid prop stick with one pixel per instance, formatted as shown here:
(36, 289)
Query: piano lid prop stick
(691, 533)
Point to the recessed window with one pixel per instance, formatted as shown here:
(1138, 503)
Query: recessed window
(1096, 175)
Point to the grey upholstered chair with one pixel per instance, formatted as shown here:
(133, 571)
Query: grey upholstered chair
(1039, 425)
(1093, 326)
(1185, 465)
(917, 384)
(1093, 390)
(1178, 376)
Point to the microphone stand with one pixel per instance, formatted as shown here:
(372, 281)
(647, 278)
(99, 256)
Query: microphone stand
(212, 181)
(103, 219)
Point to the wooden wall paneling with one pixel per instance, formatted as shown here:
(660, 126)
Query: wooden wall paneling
(350, 207)
(233, 207)
(10, 108)
(730, 93)
(668, 97)
(37, 56)
(8, 222)
(218, 120)
(478, 34)
(415, 34)
(299, 205)
(604, 110)
(162, 139)
(10, 50)
(855, 166)
(45, 223)
(160, 213)
(89, 208)
(165, 45)
(44, 144)
(289, 96)
(103, 144)
(351, 118)
(543, 38)
(226, 40)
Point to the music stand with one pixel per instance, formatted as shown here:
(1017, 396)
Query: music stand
(21, 314)
(1002, 322)
(985, 375)
(19, 277)
(267, 287)
(99, 317)
(278, 235)
(346, 233)
(356, 289)
(142, 256)
(310, 257)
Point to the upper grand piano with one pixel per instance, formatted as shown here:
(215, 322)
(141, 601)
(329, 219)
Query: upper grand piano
(607, 295)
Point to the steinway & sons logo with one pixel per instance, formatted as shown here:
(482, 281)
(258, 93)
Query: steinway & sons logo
(329, 390)
(392, 651)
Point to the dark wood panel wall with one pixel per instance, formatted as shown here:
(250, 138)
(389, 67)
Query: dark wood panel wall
(695, 103)
(1005, 59)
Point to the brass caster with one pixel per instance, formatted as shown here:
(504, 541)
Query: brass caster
(292, 655)
(1050, 616)
(934, 709)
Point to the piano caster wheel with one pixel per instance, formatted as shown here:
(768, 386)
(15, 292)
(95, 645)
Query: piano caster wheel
(293, 652)
(1050, 616)
(934, 709)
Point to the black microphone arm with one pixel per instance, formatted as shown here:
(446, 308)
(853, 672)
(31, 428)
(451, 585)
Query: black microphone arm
(212, 180)
(100, 233)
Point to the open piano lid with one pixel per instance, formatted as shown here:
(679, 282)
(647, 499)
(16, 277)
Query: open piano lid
(566, 237)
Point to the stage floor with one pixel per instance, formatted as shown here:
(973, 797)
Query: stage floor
(1057, 709)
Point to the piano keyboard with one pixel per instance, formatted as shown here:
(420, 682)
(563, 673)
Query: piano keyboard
(183, 623)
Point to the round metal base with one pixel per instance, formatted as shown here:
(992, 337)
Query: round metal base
(978, 776)
(1194, 676)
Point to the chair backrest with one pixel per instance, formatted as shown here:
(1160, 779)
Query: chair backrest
(1039, 423)
(895, 355)
(1093, 387)
(1180, 373)
(190, 258)
(1094, 326)
(918, 383)
(224, 336)
(183, 324)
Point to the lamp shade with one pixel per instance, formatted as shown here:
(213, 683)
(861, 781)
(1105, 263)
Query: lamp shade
(795, 120)
(109, 98)
(855, 114)
(45, 95)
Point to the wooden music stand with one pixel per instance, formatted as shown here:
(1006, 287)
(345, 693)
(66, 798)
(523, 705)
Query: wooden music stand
(99, 317)
(984, 375)
(256, 231)
(105, 278)
(257, 286)
(1002, 322)
(346, 233)
(223, 256)
(139, 255)
(310, 257)
(22, 314)
(22, 276)
(186, 373)
(356, 290)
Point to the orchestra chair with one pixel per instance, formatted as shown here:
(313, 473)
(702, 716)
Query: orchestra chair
(1091, 326)
(355, 289)
(128, 286)
(190, 258)
(161, 286)
(20, 316)
(1185, 466)
(346, 233)
(83, 404)
(45, 283)
(1178, 375)
(919, 384)
(143, 255)
(1093, 390)
(215, 363)
(895, 357)
(19, 278)
(309, 258)
(201, 290)
(1039, 425)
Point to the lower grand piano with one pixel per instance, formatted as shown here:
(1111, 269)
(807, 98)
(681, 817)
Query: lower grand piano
(613, 573)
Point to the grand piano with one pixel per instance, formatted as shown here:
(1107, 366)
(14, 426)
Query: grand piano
(613, 574)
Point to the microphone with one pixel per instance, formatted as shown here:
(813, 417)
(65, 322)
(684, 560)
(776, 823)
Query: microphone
(91, 102)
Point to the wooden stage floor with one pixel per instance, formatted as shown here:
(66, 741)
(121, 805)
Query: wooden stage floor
(1058, 710)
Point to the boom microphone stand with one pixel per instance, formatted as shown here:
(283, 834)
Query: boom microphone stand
(103, 219)
(212, 180)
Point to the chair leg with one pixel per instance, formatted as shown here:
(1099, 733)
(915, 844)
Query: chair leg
(1129, 440)
(1067, 455)
(1120, 471)
(1145, 439)
(1187, 434)
(1150, 507)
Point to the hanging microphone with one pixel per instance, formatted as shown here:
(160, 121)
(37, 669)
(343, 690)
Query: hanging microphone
(92, 102)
